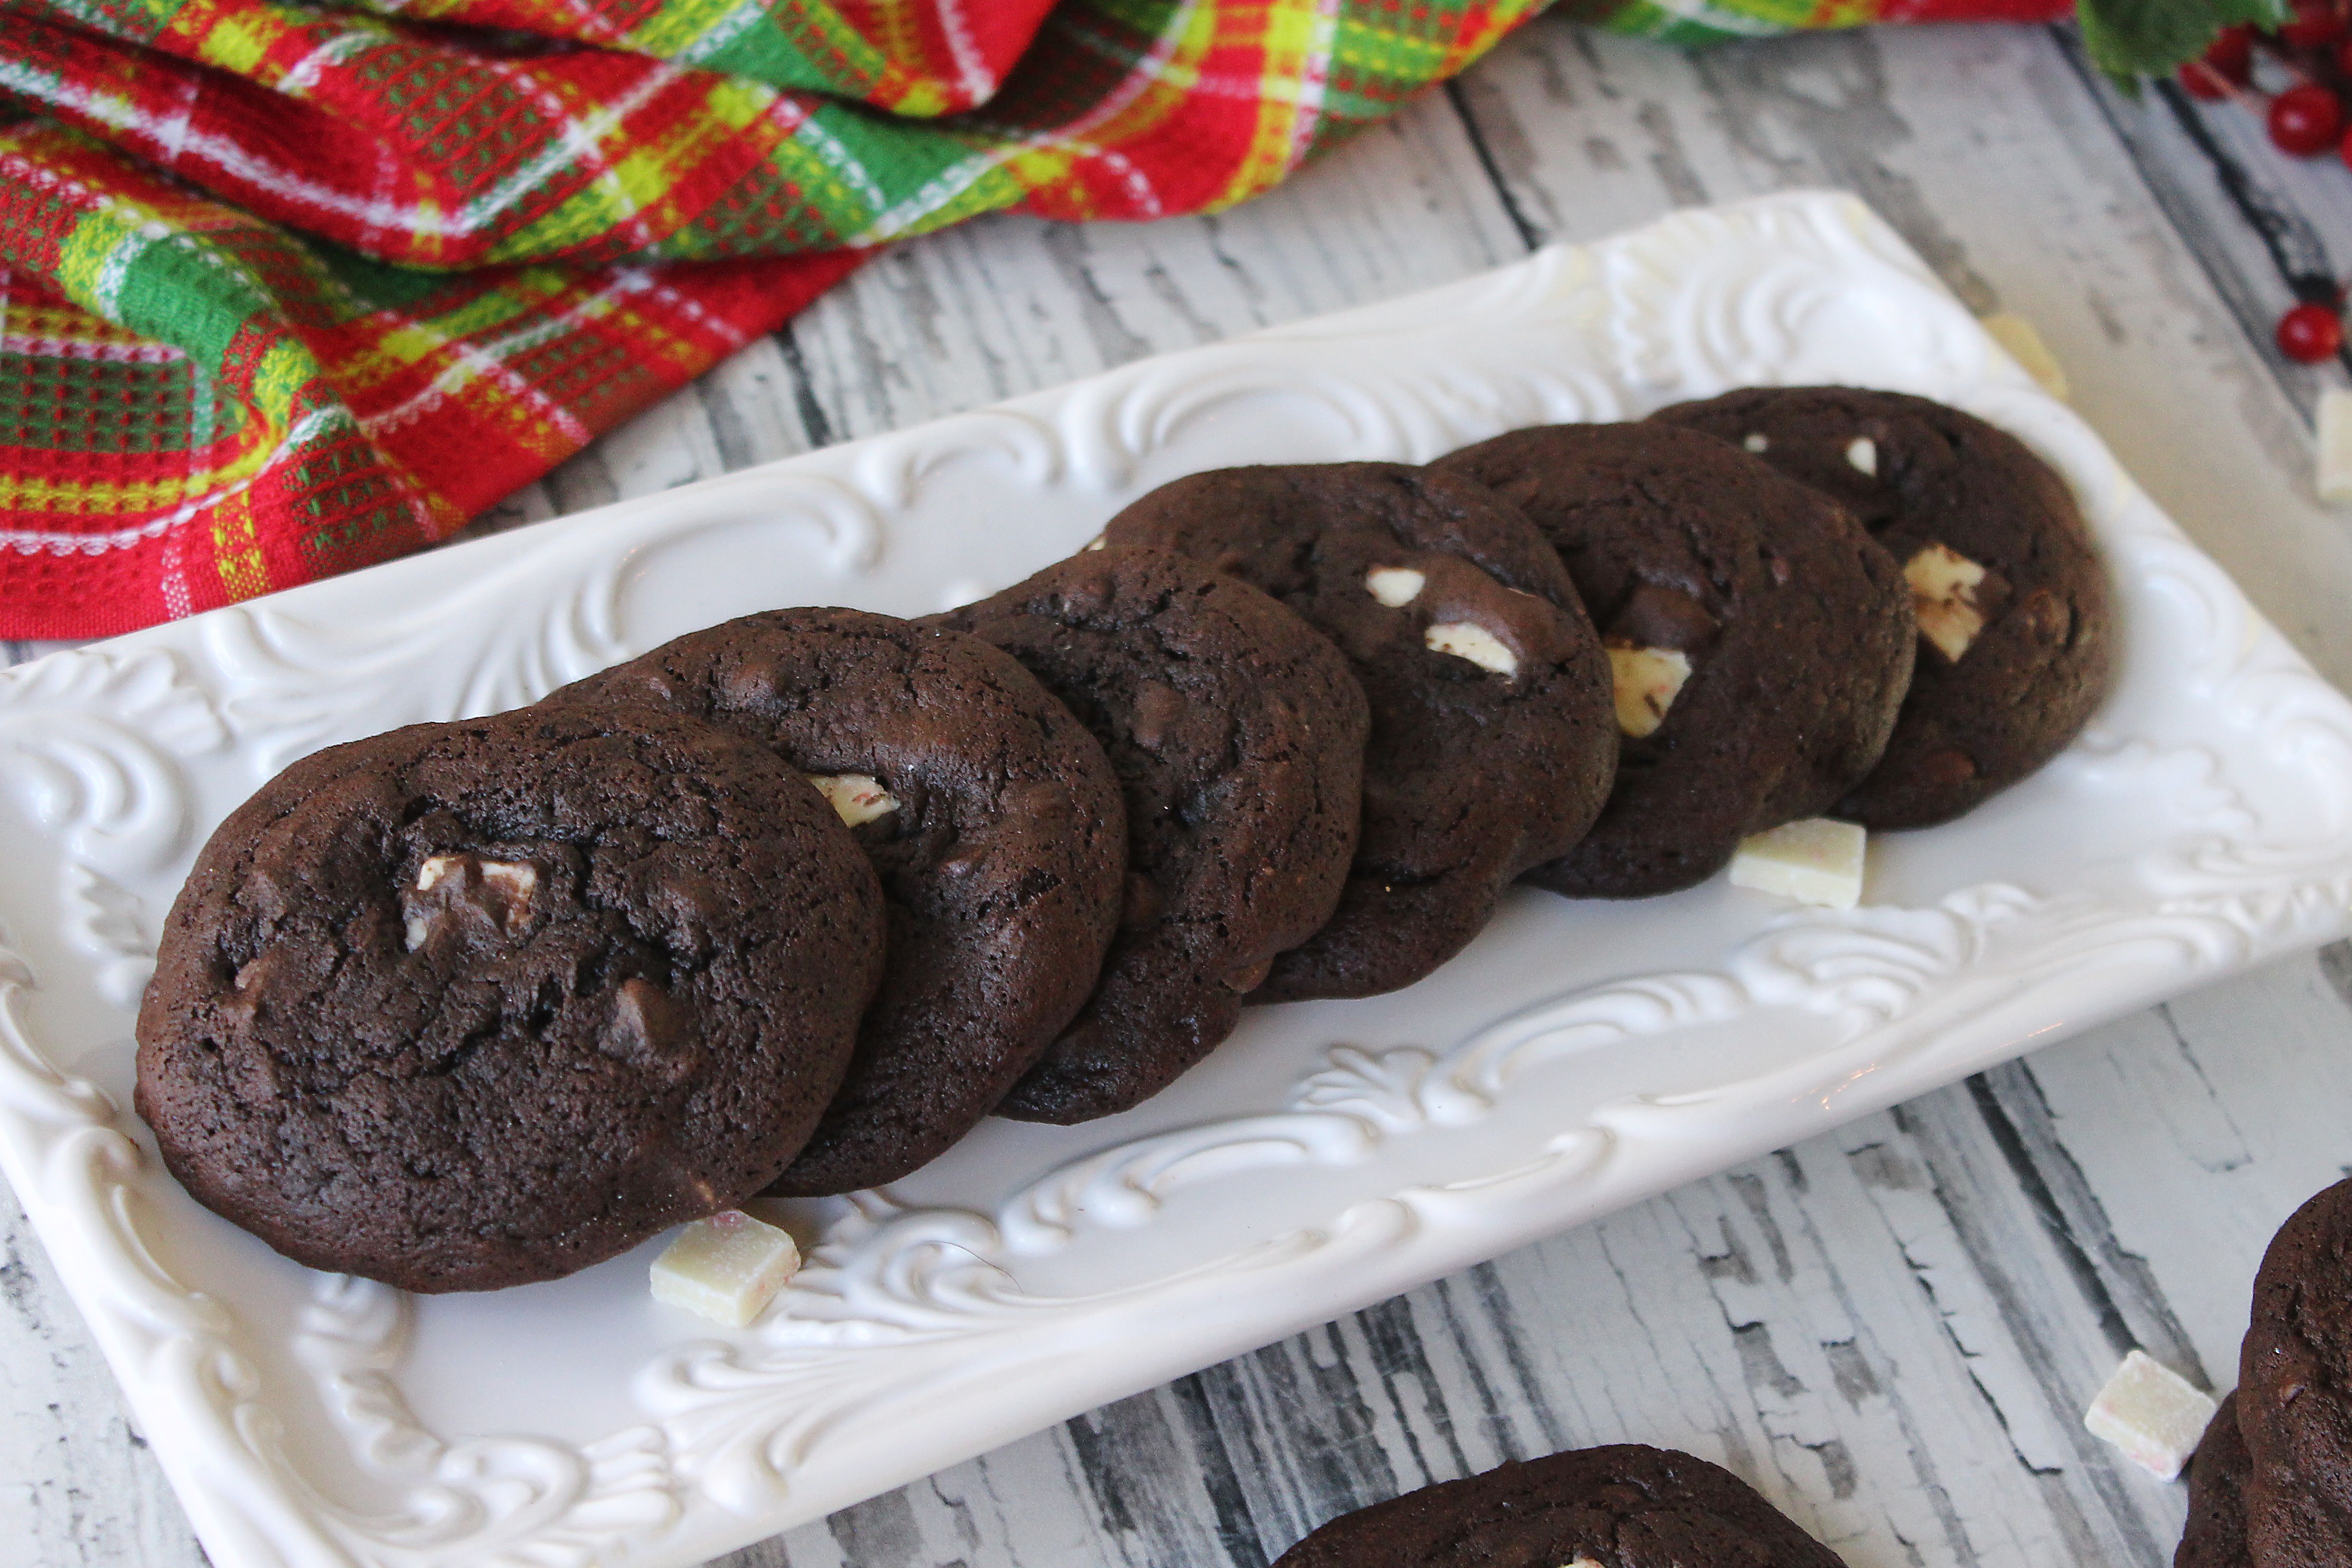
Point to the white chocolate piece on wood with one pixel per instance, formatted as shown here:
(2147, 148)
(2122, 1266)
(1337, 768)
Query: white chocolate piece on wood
(1944, 597)
(2016, 334)
(856, 798)
(1863, 453)
(2335, 472)
(1394, 586)
(1817, 861)
(1647, 680)
(1467, 639)
(727, 1268)
(2152, 1413)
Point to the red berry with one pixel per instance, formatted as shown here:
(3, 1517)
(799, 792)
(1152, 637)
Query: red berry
(2201, 82)
(2305, 118)
(2231, 53)
(2310, 333)
(2344, 149)
(2316, 25)
(2344, 57)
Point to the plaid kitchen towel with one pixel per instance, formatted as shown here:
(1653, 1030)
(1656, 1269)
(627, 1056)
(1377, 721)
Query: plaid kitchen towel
(289, 289)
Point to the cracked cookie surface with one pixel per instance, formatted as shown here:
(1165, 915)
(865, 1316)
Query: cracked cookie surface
(1492, 745)
(1237, 733)
(468, 1005)
(1762, 642)
(2016, 634)
(990, 815)
(1624, 1506)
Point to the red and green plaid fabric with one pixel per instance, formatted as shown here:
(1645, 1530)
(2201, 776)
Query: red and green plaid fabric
(289, 289)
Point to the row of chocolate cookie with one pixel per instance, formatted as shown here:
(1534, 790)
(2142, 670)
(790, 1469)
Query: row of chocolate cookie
(786, 905)
(470, 1004)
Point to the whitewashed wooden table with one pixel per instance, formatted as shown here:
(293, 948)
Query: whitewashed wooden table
(1891, 1330)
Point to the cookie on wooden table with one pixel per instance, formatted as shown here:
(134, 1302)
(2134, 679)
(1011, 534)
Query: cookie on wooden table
(2295, 1390)
(468, 1005)
(993, 817)
(1625, 1506)
(1491, 744)
(2215, 1535)
(2016, 634)
(1760, 642)
(1237, 732)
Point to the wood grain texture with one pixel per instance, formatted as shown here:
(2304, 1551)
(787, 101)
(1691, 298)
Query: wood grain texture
(1892, 1330)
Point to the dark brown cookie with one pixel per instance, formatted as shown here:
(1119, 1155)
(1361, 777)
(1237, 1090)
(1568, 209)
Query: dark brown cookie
(1238, 734)
(2016, 642)
(994, 819)
(1625, 1506)
(1491, 746)
(2295, 1390)
(469, 1005)
(2215, 1536)
(1761, 641)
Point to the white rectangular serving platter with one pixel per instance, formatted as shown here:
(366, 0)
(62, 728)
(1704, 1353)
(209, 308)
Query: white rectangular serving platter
(1578, 1058)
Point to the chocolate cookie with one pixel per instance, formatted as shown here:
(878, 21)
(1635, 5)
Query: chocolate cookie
(2016, 635)
(1237, 733)
(1491, 744)
(468, 1005)
(1625, 1506)
(1760, 641)
(995, 823)
(2215, 1535)
(2295, 1390)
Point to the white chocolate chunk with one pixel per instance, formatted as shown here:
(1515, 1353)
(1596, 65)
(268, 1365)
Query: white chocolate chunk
(1863, 453)
(2335, 476)
(1467, 639)
(1647, 682)
(1944, 597)
(1096, 543)
(1394, 586)
(517, 880)
(2016, 334)
(1755, 441)
(856, 798)
(1813, 861)
(727, 1267)
(2152, 1413)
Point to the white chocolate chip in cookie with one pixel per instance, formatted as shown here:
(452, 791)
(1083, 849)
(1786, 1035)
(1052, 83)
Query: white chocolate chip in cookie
(1813, 861)
(1647, 680)
(1755, 441)
(727, 1268)
(505, 889)
(1863, 453)
(856, 798)
(1394, 586)
(1467, 639)
(516, 879)
(1944, 588)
